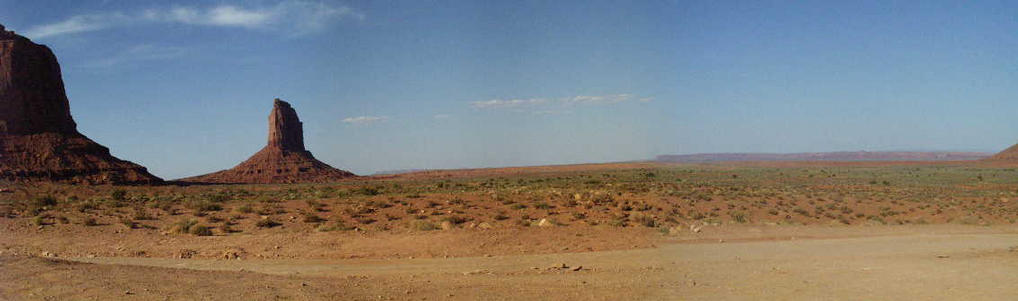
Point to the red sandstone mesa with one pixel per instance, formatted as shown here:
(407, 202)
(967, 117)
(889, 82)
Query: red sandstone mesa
(39, 140)
(283, 160)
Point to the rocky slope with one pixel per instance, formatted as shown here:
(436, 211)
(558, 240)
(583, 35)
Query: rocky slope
(1010, 154)
(39, 140)
(283, 160)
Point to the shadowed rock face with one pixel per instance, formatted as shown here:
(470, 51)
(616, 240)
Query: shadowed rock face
(283, 160)
(39, 140)
(32, 98)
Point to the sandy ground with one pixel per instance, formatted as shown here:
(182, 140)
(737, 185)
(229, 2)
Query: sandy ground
(944, 262)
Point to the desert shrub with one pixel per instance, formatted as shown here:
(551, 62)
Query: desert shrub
(246, 208)
(369, 191)
(335, 226)
(501, 216)
(218, 197)
(455, 219)
(183, 226)
(45, 201)
(202, 206)
(140, 214)
(201, 230)
(738, 216)
(129, 223)
(267, 223)
(89, 221)
(118, 195)
(542, 205)
(312, 218)
(643, 219)
(423, 225)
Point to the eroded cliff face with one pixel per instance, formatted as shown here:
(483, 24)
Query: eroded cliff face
(283, 160)
(32, 98)
(39, 140)
(286, 132)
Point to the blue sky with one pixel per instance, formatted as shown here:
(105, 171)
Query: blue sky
(184, 88)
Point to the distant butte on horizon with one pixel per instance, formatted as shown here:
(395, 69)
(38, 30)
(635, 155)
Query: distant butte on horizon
(283, 160)
(1008, 155)
(826, 156)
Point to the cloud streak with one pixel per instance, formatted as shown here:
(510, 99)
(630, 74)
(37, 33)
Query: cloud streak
(364, 119)
(564, 101)
(139, 53)
(295, 17)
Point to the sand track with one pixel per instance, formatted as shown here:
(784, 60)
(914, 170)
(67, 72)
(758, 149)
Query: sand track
(918, 266)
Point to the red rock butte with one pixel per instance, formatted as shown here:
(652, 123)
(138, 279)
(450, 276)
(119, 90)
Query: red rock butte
(283, 160)
(39, 141)
(1010, 155)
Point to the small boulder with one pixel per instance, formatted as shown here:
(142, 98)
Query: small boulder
(544, 222)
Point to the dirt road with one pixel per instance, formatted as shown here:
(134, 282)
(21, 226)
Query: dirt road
(914, 266)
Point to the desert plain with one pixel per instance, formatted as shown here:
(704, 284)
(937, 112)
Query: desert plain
(644, 230)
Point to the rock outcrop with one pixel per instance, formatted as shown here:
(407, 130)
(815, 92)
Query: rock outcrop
(1009, 155)
(283, 160)
(39, 140)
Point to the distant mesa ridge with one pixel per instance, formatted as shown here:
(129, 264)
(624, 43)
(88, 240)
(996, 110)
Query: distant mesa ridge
(283, 160)
(826, 156)
(39, 141)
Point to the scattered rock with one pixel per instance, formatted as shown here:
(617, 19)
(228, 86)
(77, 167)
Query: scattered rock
(694, 228)
(484, 226)
(545, 223)
(943, 256)
(447, 225)
(577, 268)
(232, 254)
(186, 253)
(48, 254)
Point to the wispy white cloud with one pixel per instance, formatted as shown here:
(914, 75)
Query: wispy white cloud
(364, 119)
(293, 17)
(143, 52)
(76, 24)
(542, 103)
(510, 103)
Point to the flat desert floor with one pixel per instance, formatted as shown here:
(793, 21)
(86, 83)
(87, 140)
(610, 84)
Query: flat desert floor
(922, 231)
